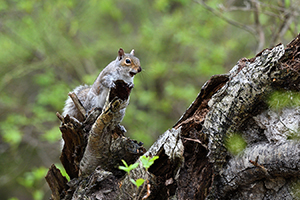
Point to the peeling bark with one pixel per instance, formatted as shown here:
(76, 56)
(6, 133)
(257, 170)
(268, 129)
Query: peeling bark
(57, 183)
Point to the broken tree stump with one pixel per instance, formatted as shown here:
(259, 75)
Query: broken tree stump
(194, 161)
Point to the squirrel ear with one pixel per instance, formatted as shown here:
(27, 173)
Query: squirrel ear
(132, 52)
(121, 53)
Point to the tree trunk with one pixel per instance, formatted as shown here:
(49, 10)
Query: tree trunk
(194, 161)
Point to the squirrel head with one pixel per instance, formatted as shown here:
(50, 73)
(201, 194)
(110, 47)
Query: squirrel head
(129, 62)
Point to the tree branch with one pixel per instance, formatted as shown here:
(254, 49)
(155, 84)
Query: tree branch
(229, 21)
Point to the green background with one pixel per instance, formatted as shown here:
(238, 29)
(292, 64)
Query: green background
(47, 48)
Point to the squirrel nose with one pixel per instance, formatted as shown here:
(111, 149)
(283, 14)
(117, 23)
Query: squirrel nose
(139, 69)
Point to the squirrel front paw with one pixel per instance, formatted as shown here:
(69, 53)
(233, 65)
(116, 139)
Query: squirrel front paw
(130, 85)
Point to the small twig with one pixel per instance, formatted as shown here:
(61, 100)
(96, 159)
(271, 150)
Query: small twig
(232, 22)
(258, 26)
(195, 140)
(60, 117)
(66, 119)
(78, 104)
(255, 163)
(287, 17)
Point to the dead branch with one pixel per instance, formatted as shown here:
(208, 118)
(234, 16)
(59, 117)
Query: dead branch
(78, 104)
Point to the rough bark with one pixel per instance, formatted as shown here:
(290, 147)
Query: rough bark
(57, 182)
(194, 162)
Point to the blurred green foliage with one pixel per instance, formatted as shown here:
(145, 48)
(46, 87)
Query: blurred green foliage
(47, 48)
(281, 99)
(32, 180)
(235, 143)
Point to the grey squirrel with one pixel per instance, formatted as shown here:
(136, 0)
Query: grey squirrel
(124, 67)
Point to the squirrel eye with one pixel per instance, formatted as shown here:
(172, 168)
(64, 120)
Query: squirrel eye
(128, 61)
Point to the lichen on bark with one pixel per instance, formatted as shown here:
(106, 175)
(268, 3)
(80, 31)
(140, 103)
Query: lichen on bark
(234, 102)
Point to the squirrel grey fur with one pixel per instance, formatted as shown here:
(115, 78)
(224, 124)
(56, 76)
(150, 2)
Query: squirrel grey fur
(124, 67)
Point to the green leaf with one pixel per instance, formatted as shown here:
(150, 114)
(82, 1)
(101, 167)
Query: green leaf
(124, 169)
(133, 166)
(124, 162)
(62, 170)
(133, 181)
(138, 182)
(148, 161)
(128, 168)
